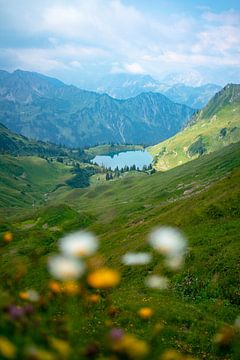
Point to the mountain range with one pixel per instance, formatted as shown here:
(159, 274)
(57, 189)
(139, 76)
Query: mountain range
(210, 129)
(124, 86)
(44, 108)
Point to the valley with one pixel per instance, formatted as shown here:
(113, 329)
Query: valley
(48, 191)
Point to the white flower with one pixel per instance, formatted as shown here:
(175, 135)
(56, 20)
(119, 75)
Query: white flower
(80, 243)
(157, 282)
(136, 258)
(33, 295)
(168, 241)
(65, 268)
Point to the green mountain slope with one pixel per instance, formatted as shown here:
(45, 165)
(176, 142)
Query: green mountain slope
(217, 125)
(25, 181)
(46, 109)
(200, 197)
(15, 144)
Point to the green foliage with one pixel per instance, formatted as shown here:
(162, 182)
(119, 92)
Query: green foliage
(82, 177)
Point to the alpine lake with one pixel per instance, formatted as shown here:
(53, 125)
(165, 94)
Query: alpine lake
(139, 158)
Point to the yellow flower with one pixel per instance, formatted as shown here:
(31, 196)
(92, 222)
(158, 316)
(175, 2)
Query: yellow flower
(171, 355)
(94, 298)
(131, 346)
(31, 295)
(7, 349)
(225, 336)
(61, 346)
(55, 287)
(174, 355)
(103, 278)
(8, 236)
(145, 313)
(24, 295)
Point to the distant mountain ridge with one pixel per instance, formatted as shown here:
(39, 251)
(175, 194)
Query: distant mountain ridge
(46, 109)
(124, 86)
(215, 126)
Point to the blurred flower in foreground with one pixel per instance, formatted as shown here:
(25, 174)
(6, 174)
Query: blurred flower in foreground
(16, 312)
(80, 243)
(171, 243)
(145, 313)
(65, 268)
(131, 346)
(33, 352)
(30, 295)
(225, 336)
(7, 349)
(157, 282)
(103, 278)
(136, 258)
(116, 334)
(7, 236)
(173, 355)
(94, 298)
(61, 346)
(55, 287)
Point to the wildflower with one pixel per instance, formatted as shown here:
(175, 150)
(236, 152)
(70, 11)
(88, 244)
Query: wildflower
(16, 312)
(103, 278)
(136, 258)
(171, 243)
(168, 241)
(7, 237)
(33, 352)
(157, 282)
(80, 243)
(116, 334)
(31, 295)
(145, 313)
(65, 268)
(7, 349)
(94, 298)
(61, 346)
(225, 336)
(55, 287)
(131, 346)
(171, 355)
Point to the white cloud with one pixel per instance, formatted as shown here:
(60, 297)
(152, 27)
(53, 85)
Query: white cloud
(117, 36)
(134, 68)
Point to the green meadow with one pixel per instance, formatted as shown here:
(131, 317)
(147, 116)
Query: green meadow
(193, 318)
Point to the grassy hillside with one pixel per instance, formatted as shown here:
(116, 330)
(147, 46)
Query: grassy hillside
(201, 198)
(217, 125)
(28, 180)
(15, 144)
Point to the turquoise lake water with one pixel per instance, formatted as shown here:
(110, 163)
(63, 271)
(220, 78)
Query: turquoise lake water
(127, 158)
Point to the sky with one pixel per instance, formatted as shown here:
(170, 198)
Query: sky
(79, 41)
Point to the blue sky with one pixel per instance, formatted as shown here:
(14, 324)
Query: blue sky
(78, 40)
